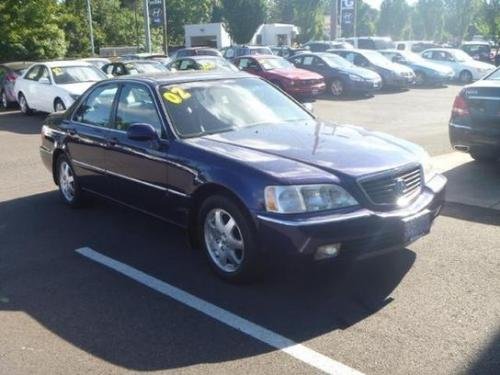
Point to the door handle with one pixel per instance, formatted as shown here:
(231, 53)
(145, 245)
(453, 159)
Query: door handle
(112, 141)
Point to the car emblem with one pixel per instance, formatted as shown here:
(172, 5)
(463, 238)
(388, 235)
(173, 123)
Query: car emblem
(400, 186)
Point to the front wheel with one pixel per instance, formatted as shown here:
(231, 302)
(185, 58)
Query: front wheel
(59, 105)
(69, 187)
(420, 78)
(4, 102)
(465, 77)
(228, 239)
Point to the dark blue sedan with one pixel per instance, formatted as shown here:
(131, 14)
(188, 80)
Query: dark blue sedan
(244, 167)
(341, 77)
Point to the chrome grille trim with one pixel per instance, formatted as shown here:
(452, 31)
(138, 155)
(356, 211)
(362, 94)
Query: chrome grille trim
(381, 189)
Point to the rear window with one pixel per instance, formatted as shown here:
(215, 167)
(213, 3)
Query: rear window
(495, 76)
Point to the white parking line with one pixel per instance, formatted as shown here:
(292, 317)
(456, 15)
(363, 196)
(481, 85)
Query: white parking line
(262, 334)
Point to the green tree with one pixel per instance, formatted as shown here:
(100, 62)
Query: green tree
(366, 19)
(459, 15)
(243, 17)
(488, 22)
(394, 18)
(310, 18)
(30, 30)
(431, 17)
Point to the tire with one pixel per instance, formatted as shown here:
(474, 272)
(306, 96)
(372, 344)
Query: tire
(465, 77)
(23, 104)
(69, 188)
(420, 79)
(484, 157)
(59, 105)
(4, 102)
(228, 239)
(337, 88)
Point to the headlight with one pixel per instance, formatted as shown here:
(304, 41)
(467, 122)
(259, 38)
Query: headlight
(306, 198)
(74, 96)
(428, 168)
(356, 78)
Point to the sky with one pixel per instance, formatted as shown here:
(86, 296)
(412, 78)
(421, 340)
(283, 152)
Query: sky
(376, 3)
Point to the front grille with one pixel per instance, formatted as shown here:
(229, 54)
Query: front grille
(307, 82)
(389, 188)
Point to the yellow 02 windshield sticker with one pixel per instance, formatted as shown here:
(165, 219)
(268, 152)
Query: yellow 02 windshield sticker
(176, 95)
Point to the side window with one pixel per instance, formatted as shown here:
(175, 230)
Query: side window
(96, 109)
(427, 55)
(108, 69)
(447, 56)
(297, 60)
(318, 62)
(181, 53)
(136, 106)
(44, 73)
(401, 46)
(308, 60)
(243, 63)
(118, 70)
(349, 57)
(187, 64)
(33, 73)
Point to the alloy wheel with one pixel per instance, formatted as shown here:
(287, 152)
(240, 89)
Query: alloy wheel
(59, 106)
(67, 181)
(23, 104)
(465, 77)
(223, 240)
(336, 88)
(420, 78)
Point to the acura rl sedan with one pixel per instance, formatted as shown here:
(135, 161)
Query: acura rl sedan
(244, 167)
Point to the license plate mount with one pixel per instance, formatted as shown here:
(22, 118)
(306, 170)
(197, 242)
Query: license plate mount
(417, 226)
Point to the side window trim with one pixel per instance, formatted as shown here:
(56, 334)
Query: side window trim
(113, 107)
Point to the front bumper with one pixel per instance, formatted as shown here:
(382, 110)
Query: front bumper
(306, 90)
(359, 233)
(364, 86)
(400, 81)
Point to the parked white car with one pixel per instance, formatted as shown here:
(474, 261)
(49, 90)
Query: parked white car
(465, 67)
(54, 86)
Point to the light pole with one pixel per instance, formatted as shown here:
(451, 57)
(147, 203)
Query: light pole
(91, 30)
(147, 27)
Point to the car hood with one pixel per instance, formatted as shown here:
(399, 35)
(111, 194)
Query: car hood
(342, 150)
(76, 88)
(362, 72)
(294, 74)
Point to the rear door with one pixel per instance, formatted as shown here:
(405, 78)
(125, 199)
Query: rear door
(88, 134)
(138, 169)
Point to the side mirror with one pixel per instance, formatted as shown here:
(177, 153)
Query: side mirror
(44, 81)
(142, 132)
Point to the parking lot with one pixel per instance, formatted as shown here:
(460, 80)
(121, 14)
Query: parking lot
(136, 297)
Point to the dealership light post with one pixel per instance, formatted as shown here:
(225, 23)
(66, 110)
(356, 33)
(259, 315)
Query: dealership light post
(91, 30)
(146, 26)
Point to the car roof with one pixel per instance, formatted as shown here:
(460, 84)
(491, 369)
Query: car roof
(478, 42)
(63, 63)
(137, 61)
(166, 78)
(18, 64)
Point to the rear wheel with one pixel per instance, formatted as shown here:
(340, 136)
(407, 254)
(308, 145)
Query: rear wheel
(23, 104)
(337, 88)
(69, 187)
(4, 102)
(228, 239)
(465, 76)
(59, 105)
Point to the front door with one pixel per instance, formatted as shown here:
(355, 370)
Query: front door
(138, 169)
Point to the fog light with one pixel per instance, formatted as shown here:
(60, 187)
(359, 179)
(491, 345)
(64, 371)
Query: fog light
(327, 251)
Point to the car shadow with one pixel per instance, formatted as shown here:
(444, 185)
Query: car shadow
(126, 324)
(17, 122)
(489, 358)
(474, 184)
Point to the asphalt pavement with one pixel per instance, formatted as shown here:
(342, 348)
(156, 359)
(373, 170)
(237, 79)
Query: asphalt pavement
(152, 304)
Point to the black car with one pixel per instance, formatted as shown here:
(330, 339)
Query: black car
(248, 170)
(475, 119)
(8, 75)
(480, 51)
(393, 75)
(122, 68)
(233, 52)
(341, 77)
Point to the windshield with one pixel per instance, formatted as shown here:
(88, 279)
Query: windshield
(411, 57)
(145, 67)
(376, 58)
(336, 61)
(461, 55)
(495, 76)
(208, 107)
(73, 74)
(273, 63)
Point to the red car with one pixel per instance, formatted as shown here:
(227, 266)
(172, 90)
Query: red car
(282, 73)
